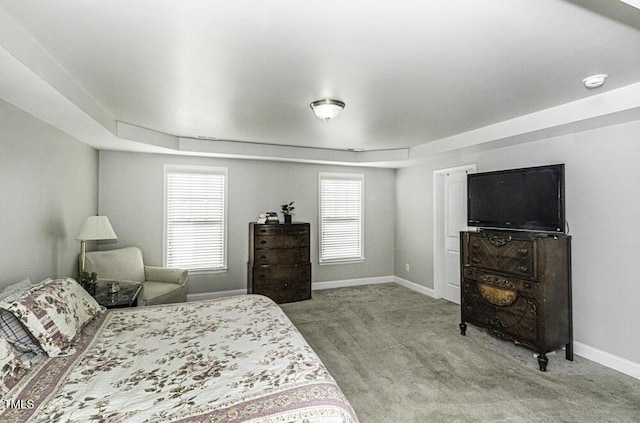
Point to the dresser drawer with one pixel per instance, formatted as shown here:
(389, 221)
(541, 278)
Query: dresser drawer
(501, 253)
(279, 261)
(276, 256)
(272, 275)
(286, 229)
(291, 241)
(284, 292)
(518, 319)
(525, 286)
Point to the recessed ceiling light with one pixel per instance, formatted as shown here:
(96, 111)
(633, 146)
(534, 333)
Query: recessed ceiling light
(594, 81)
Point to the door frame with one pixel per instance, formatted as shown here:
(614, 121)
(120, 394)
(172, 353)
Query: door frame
(439, 279)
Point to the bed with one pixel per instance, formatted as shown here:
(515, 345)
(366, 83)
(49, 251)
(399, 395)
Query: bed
(237, 359)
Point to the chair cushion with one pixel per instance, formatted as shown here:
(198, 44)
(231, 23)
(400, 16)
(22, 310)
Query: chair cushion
(121, 264)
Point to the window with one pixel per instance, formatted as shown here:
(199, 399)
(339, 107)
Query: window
(341, 217)
(195, 218)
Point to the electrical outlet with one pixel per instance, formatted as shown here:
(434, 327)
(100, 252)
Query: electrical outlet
(407, 267)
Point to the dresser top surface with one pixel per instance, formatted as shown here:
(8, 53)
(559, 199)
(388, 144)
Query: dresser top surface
(527, 235)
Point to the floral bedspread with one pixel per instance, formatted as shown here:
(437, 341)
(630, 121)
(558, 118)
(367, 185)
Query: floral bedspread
(235, 359)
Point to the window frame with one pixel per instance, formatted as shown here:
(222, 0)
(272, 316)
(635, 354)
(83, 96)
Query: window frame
(193, 169)
(341, 176)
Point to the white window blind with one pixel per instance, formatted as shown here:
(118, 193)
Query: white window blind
(195, 218)
(341, 217)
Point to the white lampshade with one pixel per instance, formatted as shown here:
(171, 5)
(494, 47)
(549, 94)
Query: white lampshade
(327, 109)
(95, 228)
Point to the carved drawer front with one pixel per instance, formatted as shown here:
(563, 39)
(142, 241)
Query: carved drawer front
(270, 230)
(516, 319)
(293, 241)
(270, 275)
(282, 256)
(518, 327)
(502, 253)
(523, 286)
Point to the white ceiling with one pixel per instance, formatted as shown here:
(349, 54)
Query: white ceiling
(411, 72)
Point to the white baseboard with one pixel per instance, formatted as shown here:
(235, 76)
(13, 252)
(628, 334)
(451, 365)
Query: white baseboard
(415, 287)
(316, 286)
(609, 360)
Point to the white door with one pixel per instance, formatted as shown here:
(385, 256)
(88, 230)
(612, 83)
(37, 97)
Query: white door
(455, 220)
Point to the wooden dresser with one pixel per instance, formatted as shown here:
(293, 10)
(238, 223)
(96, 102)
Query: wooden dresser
(279, 261)
(518, 286)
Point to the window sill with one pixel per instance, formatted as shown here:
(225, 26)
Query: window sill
(345, 261)
(208, 271)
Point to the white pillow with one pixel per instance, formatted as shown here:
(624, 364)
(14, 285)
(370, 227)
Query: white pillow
(54, 313)
(16, 288)
(11, 368)
(11, 329)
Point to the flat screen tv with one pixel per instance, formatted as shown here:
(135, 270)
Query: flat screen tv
(521, 199)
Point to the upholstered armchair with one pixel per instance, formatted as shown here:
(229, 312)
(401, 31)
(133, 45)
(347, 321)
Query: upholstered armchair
(160, 285)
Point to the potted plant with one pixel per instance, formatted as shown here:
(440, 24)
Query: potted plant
(287, 210)
(88, 281)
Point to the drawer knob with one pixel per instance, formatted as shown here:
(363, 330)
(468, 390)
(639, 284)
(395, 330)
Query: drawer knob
(475, 260)
(523, 251)
(523, 269)
(263, 242)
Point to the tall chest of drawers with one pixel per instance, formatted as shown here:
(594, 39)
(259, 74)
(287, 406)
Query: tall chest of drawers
(518, 286)
(279, 261)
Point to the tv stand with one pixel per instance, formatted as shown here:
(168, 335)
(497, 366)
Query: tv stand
(517, 285)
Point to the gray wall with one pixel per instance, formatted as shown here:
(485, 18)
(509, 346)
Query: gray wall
(48, 187)
(602, 210)
(131, 195)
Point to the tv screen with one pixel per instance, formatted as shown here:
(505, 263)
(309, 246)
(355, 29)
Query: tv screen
(524, 199)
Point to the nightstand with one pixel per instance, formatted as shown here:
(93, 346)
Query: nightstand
(126, 297)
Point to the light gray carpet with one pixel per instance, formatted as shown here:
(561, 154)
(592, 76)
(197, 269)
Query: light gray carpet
(399, 357)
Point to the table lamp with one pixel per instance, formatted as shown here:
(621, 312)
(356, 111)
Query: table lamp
(94, 229)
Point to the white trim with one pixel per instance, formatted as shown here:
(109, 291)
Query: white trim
(606, 359)
(317, 286)
(345, 261)
(438, 224)
(634, 3)
(421, 289)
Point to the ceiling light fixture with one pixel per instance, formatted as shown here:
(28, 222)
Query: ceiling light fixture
(327, 109)
(594, 81)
